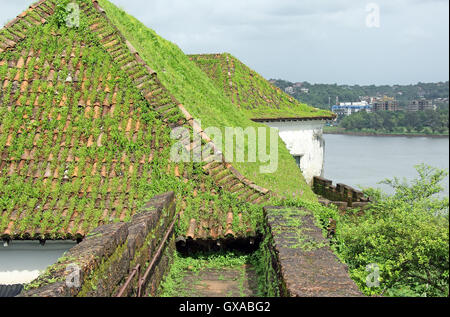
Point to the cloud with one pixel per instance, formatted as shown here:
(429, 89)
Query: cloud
(319, 41)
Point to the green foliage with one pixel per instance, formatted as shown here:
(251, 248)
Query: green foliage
(322, 95)
(406, 235)
(61, 13)
(425, 122)
(249, 91)
(174, 284)
(198, 93)
(263, 260)
(91, 282)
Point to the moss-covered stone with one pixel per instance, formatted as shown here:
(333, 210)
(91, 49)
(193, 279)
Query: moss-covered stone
(108, 255)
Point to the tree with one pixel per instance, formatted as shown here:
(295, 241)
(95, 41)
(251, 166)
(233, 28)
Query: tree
(405, 235)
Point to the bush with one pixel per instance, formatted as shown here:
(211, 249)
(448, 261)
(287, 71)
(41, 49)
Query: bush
(406, 235)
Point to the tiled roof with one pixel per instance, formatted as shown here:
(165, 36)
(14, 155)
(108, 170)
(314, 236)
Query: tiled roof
(214, 223)
(16, 30)
(82, 123)
(252, 93)
(10, 290)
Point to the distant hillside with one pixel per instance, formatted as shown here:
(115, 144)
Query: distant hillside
(322, 95)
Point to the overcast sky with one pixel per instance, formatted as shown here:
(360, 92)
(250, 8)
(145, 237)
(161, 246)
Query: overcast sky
(320, 41)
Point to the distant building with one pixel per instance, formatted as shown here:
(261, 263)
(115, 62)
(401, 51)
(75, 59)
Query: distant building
(305, 90)
(348, 108)
(420, 105)
(385, 104)
(289, 90)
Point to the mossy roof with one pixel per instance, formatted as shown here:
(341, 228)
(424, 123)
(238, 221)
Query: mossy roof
(85, 135)
(249, 91)
(205, 101)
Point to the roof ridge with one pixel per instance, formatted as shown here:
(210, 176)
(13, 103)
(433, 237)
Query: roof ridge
(207, 54)
(89, 68)
(230, 63)
(187, 116)
(21, 17)
(331, 117)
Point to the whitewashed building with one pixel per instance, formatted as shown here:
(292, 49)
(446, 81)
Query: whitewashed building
(300, 126)
(304, 139)
(23, 261)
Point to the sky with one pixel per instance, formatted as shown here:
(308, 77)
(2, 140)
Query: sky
(319, 41)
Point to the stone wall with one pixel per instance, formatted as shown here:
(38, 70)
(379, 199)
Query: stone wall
(305, 264)
(102, 262)
(341, 195)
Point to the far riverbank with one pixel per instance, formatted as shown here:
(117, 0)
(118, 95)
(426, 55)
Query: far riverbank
(343, 132)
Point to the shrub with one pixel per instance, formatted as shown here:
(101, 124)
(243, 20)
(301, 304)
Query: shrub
(406, 235)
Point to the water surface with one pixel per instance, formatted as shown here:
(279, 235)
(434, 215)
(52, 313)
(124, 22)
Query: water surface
(363, 161)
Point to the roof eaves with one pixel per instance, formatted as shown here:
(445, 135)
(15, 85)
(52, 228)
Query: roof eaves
(279, 119)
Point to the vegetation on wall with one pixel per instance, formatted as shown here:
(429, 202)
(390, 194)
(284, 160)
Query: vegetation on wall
(405, 235)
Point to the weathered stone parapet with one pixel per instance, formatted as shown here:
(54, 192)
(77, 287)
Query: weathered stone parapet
(306, 265)
(340, 195)
(102, 262)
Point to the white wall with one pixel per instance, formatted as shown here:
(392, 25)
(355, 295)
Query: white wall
(22, 261)
(304, 138)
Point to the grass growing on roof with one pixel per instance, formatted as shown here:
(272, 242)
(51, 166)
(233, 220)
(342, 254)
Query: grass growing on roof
(249, 91)
(60, 153)
(79, 145)
(192, 87)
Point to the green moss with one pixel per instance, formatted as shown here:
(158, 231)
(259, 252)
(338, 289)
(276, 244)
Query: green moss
(154, 236)
(101, 272)
(265, 262)
(191, 86)
(288, 224)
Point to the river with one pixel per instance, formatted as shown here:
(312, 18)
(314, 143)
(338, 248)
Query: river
(364, 161)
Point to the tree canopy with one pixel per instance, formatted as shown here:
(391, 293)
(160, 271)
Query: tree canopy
(427, 122)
